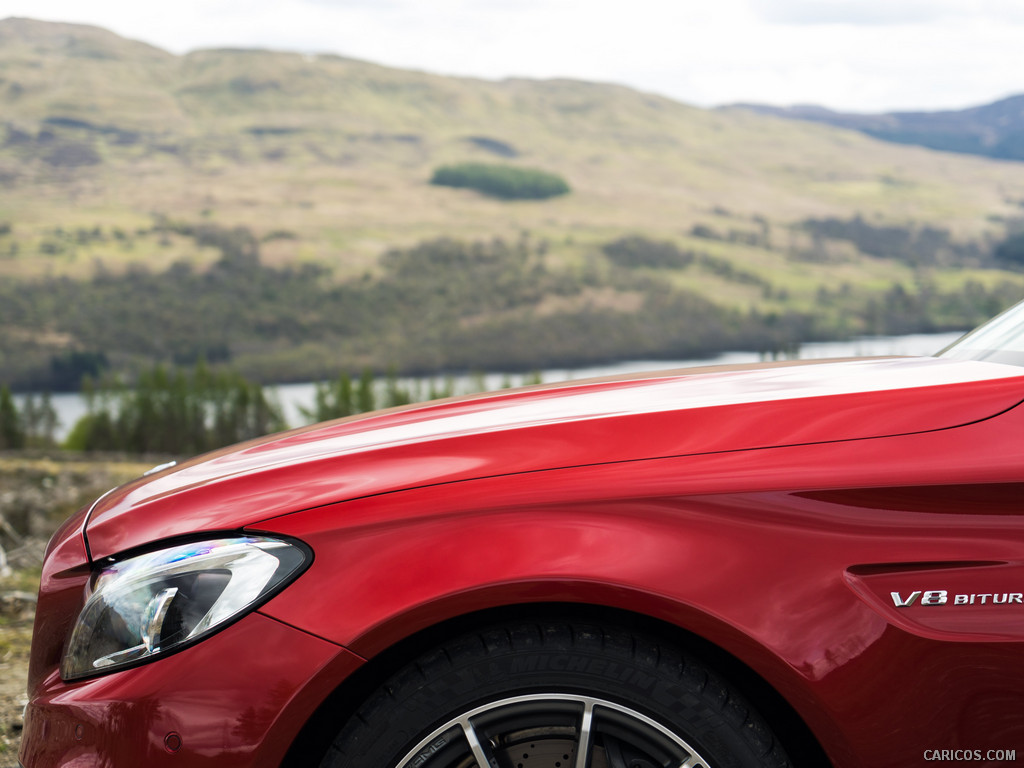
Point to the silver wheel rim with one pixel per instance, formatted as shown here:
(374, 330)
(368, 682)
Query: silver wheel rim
(552, 730)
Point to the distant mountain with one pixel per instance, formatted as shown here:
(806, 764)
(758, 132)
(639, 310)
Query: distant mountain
(275, 211)
(992, 130)
(97, 130)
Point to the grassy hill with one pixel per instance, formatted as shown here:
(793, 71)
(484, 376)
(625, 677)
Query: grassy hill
(116, 157)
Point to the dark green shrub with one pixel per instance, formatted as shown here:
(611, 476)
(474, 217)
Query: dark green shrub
(639, 251)
(503, 181)
(1011, 250)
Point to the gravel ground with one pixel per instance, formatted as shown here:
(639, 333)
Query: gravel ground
(17, 609)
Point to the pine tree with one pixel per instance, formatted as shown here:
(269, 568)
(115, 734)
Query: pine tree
(12, 434)
(47, 422)
(365, 397)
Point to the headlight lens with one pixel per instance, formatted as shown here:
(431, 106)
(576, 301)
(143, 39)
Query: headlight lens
(159, 602)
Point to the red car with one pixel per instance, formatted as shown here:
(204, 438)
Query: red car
(783, 565)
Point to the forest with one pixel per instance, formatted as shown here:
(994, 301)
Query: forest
(454, 305)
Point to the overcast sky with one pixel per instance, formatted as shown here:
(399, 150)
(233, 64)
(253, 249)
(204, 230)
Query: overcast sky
(860, 55)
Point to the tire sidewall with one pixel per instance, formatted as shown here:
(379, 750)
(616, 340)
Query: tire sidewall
(497, 664)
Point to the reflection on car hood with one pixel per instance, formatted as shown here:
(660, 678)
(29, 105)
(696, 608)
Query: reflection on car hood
(572, 424)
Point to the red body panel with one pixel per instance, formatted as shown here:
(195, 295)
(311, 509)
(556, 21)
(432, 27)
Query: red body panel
(575, 425)
(763, 571)
(772, 512)
(226, 712)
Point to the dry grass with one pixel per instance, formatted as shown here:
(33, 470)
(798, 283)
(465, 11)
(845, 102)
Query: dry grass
(16, 616)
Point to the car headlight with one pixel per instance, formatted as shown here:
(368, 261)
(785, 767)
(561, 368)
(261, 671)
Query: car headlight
(162, 601)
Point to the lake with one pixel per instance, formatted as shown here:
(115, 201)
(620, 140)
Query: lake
(71, 406)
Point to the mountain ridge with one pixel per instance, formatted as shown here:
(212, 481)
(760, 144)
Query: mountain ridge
(995, 129)
(165, 132)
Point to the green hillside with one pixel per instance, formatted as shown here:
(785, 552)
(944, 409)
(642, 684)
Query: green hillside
(127, 172)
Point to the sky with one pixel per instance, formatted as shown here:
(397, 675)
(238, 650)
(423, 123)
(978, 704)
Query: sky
(850, 55)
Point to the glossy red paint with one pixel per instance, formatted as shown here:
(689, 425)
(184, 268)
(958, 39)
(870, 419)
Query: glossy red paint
(225, 711)
(771, 512)
(751, 550)
(66, 570)
(552, 427)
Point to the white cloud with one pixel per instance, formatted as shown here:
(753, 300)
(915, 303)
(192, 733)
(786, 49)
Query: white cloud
(853, 12)
(848, 54)
(885, 12)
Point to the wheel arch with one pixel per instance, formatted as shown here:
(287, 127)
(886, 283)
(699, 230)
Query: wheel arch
(312, 741)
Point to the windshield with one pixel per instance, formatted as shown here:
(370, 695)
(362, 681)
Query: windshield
(1000, 340)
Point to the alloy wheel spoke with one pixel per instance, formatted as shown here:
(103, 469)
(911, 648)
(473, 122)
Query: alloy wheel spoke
(552, 724)
(586, 737)
(483, 760)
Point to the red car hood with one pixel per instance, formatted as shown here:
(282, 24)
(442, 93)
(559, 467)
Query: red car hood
(558, 426)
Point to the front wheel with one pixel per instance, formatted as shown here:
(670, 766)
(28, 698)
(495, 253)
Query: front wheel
(552, 695)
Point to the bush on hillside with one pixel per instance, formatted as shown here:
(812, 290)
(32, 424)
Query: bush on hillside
(1011, 250)
(639, 251)
(502, 181)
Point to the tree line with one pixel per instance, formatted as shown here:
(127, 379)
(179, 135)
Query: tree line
(920, 246)
(32, 426)
(440, 305)
(169, 410)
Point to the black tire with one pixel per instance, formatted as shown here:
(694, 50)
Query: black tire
(524, 691)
